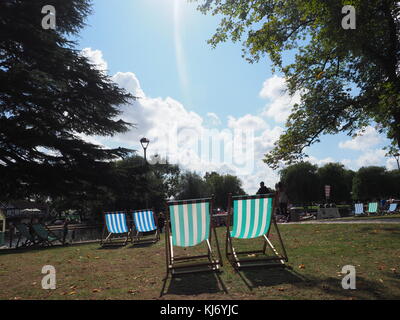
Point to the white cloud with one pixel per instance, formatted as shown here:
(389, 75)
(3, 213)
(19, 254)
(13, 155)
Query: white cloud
(320, 162)
(129, 81)
(371, 158)
(364, 140)
(96, 58)
(213, 119)
(178, 134)
(247, 122)
(281, 103)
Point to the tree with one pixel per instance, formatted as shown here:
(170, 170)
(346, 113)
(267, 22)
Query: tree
(302, 183)
(348, 78)
(221, 185)
(394, 185)
(340, 180)
(191, 186)
(50, 97)
(371, 183)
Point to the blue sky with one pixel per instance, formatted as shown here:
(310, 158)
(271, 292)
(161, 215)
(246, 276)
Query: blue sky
(158, 49)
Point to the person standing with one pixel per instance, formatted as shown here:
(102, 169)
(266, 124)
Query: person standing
(263, 189)
(283, 201)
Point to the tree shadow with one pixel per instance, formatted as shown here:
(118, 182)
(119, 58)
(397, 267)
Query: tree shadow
(365, 289)
(374, 230)
(111, 247)
(194, 284)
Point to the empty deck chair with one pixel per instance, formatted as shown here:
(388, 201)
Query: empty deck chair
(392, 208)
(45, 236)
(358, 209)
(115, 223)
(24, 232)
(145, 221)
(373, 207)
(191, 225)
(252, 217)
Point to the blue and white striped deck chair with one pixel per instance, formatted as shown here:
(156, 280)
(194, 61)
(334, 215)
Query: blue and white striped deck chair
(392, 208)
(115, 223)
(252, 217)
(358, 209)
(373, 207)
(191, 225)
(145, 221)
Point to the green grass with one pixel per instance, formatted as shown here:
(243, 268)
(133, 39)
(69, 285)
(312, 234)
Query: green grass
(371, 217)
(316, 253)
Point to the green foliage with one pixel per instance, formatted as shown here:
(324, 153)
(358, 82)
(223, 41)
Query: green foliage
(374, 183)
(347, 78)
(340, 180)
(50, 97)
(301, 182)
(191, 186)
(221, 185)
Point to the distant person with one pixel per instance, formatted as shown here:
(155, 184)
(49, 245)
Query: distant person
(263, 189)
(283, 201)
(161, 222)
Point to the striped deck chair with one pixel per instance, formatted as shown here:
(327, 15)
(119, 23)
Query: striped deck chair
(191, 224)
(115, 223)
(144, 221)
(358, 209)
(373, 207)
(252, 217)
(392, 208)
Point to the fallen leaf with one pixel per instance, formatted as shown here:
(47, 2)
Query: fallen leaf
(302, 266)
(96, 290)
(72, 293)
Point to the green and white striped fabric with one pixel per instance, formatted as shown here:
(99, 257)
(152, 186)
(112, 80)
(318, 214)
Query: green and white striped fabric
(251, 217)
(190, 223)
(373, 207)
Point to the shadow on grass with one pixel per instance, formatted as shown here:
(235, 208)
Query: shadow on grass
(194, 284)
(374, 230)
(365, 289)
(111, 247)
(33, 249)
(143, 244)
(267, 277)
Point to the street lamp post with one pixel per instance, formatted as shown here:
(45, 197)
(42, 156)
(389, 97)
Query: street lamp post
(145, 143)
(397, 157)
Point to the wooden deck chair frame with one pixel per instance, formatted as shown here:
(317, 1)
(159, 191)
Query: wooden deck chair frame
(188, 264)
(107, 240)
(233, 256)
(42, 239)
(136, 234)
(30, 240)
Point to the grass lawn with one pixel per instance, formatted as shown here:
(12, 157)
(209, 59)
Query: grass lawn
(316, 253)
(371, 217)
